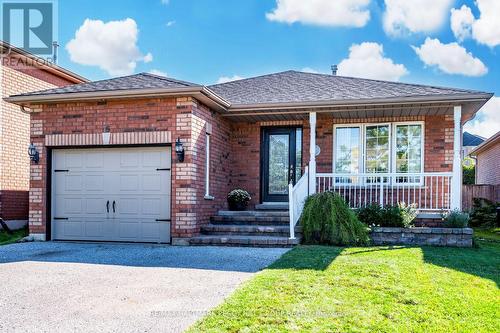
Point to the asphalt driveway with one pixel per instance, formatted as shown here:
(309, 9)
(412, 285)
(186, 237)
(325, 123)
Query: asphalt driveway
(65, 287)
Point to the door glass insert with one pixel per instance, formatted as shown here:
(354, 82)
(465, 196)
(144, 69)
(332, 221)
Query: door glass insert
(279, 165)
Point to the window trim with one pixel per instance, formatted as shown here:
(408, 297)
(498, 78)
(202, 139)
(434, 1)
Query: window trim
(392, 146)
(361, 135)
(207, 167)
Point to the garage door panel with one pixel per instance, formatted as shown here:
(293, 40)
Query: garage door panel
(128, 176)
(94, 183)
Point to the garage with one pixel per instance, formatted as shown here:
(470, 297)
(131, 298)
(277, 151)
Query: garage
(111, 194)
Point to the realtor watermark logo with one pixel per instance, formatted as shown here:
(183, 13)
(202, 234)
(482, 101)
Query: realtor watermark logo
(30, 25)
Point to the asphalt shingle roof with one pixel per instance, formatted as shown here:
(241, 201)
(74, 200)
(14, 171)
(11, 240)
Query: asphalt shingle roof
(471, 139)
(137, 81)
(283, 87)
(294, 86)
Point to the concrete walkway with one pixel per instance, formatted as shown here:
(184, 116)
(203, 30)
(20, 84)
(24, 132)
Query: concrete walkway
(67, 287)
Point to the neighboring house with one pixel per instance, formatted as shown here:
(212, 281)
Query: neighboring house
(109, 170)
(487, 157)
(469, 142)
(21, 72)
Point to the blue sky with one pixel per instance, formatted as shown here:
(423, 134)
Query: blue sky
(206, 40)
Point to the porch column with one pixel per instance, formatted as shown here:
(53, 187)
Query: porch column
(312, 153)
(456, 183)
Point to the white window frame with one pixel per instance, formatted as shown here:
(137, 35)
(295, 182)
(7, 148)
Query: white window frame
(207, 167)
(392, 146)
(361, 136)
(393, 153)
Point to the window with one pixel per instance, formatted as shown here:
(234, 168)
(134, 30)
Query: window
(379, 148)
(207, 162)
(347, 149)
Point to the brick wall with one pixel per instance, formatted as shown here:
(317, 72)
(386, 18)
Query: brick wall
(182, 117)
(245, 146)
(487, 170)
(14, 135)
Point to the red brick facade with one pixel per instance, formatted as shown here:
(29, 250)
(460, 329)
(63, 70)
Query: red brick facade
(183, 117)
(234, 149)
(16, 78)
(487, 170)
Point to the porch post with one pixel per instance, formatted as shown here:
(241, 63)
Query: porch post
(312, 153)
(456, 183)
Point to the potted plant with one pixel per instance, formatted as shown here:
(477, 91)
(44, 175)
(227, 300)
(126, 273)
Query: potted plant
(238, 199)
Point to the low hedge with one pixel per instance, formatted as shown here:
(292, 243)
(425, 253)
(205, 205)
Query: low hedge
(326, 219)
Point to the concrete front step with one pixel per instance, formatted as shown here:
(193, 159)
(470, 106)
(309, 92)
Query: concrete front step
(257, 213)
(248, 230)
(240, 240)
(272, 206)
(251, 220)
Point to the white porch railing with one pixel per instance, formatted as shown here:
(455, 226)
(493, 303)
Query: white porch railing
(296, 196)
(429, 191)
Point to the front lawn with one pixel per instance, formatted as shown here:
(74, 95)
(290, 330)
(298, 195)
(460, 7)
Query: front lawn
(16, 235)
(369, 289)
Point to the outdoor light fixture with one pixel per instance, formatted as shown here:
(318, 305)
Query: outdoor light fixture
(33, 153)
(179, 150)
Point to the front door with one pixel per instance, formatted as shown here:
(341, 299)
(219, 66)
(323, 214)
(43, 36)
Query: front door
(281, 162)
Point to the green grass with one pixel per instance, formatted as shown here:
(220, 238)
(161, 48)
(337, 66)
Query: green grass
(5, 238)
(369, 289)
(491, 234)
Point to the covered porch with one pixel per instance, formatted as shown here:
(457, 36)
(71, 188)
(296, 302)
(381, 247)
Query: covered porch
(376, 153)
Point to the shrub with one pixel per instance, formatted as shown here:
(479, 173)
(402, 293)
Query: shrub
(483, 213)
(401, 215)
(326, 219)
(238, 199)
(456, 219)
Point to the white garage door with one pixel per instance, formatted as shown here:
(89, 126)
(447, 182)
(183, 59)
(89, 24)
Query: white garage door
(111, 194)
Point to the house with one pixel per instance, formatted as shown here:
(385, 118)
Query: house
(469, 142)
(487, 157)
(21, 72)
(150, 159)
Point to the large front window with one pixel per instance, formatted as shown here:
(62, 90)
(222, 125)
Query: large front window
(379, 148)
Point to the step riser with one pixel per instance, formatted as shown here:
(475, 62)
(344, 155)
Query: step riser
(259, 223)
(247, 230)
(250, 219)
(245, 233)
(253, 243)
(254, 213)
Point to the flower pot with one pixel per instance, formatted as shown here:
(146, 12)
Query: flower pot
(237, 206)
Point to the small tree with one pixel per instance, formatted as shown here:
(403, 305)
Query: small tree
(468, 171)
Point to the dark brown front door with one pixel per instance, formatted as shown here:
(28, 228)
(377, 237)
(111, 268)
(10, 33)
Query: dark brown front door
(281, 161)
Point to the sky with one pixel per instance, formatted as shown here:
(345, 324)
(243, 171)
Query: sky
(453, 43)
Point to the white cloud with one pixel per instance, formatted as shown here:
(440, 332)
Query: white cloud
(487, 120)
(367, 60)
(461, 22)
(170, 23)
(413, 16)
(158, 72)
(112, 46)
(485, 30)
(347, 13)
(224, 79)
(450, 58)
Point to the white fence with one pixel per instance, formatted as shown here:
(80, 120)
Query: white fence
(296, 196)
(429, 191)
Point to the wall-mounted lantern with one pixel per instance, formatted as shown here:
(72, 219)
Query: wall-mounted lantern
(33, 153)
(179, 150)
